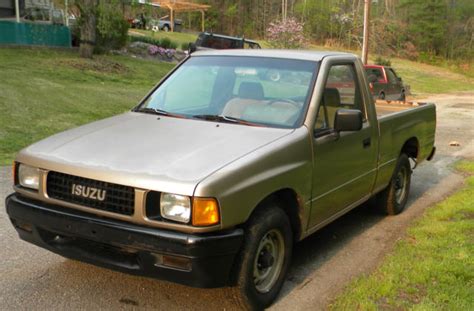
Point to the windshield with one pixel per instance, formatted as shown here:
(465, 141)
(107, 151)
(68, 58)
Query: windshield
(246, 90)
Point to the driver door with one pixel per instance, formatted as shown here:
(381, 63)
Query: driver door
(344, 163)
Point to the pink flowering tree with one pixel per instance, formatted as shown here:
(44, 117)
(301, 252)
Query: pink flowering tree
(286, 34)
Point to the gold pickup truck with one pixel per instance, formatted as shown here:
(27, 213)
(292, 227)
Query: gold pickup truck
(231, 159)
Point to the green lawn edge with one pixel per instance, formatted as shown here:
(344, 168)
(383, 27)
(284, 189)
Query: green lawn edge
(432, 268)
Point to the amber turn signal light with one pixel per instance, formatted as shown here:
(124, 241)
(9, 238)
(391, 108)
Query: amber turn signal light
(14, 172)
(205, 212)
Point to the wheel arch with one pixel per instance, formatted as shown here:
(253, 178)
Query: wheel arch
(411, 147)
(291, 203)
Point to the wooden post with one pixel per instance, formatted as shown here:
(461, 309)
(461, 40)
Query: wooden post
(66, 5)
(17, 10)
(172, 19)
(202, 20)
(365, 44)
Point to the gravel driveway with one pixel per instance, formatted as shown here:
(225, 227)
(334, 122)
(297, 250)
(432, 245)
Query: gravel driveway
(35, 279)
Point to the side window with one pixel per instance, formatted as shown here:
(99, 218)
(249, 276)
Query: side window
(391, 76)
(376, 72)
(341, 91)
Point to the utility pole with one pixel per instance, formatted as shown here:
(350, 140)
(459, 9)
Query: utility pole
(365, 44)
(284, 9)
(66, 7)
(17, 10)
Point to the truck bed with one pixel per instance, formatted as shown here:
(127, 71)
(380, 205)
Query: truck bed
(386, 107)
(400, 122)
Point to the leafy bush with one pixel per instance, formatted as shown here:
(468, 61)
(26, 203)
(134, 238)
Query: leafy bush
(149, 40)
(383, 61)
(173, 45)
(286, 34)
(165, 43)
(184, 46)
(112, 29)
(154, 50)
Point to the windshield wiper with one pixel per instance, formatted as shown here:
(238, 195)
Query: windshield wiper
(160, 112)
(222, 118)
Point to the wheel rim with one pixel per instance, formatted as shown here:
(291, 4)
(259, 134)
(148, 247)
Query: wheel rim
(269, 261)
(401, 181)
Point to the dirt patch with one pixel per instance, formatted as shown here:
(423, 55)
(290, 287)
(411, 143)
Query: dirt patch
(415, 296)
(127, 301)
(97, 64)
(463, 106)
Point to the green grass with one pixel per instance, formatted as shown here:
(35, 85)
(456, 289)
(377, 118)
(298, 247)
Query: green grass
(178, 37)
(428, 79)
(432, 268)
(45, 91)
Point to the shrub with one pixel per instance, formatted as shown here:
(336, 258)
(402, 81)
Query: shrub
(184, 46)
(165, 43)
(154, 50)
(286, 34)
(112, 29)
(383, 61)
(144, 39)
(173, 45)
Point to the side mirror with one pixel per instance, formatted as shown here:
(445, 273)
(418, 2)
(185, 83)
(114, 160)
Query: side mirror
(192, 48)
(348, 120)
(373, 78)
(399, 79)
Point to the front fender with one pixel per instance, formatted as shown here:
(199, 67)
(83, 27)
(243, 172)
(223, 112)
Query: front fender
(241, 185)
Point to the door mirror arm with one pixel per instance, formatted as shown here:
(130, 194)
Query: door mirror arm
(324, 135)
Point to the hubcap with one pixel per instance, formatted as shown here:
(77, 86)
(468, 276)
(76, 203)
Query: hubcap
(269, 261)
(400, 185)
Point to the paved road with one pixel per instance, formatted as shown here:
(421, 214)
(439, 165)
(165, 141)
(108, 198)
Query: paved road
(34, 279)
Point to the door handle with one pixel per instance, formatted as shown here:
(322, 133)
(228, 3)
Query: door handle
(366, 142)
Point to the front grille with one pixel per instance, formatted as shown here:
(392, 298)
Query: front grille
(117, 199)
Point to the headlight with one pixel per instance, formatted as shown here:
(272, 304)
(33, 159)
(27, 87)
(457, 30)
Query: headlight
(175, 207)
(28, 176)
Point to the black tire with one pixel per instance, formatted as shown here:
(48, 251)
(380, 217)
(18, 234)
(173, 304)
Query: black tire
(166, 28)
(247, 293)
(392, 200)
(403, 97)
(382, 96)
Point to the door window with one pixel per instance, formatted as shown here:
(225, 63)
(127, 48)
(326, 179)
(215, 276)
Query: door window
(341, 91)
(377, 72)
(391, 76)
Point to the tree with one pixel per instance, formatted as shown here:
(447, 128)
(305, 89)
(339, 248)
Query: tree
(87, 24)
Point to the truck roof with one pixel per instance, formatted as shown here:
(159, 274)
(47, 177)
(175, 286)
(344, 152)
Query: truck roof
(227, 37)
(288, 54)
(375, 66)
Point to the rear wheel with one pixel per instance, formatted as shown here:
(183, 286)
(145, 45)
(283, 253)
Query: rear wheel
(264, 259)
(393, 199)
(403, 96)
(382, 96)
(166, 28)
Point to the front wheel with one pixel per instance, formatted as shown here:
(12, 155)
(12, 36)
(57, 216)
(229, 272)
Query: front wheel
(264, 259)
(393, 199)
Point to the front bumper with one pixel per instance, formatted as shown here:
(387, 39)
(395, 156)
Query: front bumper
(208, 258)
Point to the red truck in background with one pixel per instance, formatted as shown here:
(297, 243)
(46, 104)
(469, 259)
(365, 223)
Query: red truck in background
(385, 83)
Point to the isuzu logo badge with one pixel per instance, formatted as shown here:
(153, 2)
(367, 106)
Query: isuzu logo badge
(88, 192)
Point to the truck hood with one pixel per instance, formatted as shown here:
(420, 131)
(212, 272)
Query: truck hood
(148, 151)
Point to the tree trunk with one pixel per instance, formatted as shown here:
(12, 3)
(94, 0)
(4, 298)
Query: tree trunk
(88, 28)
